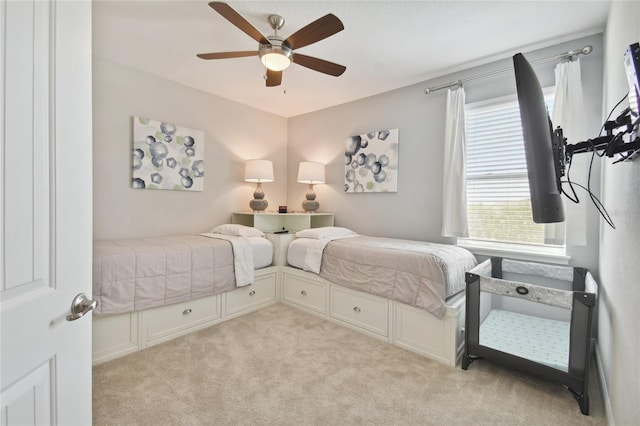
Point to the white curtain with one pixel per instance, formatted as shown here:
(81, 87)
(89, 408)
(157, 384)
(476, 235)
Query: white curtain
(569, 113)
(454, 210)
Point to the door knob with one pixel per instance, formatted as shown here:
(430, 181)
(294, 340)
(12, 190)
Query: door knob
(80, 306)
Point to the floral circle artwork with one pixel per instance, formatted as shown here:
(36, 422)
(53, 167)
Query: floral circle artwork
(371, 162)
(167, 156)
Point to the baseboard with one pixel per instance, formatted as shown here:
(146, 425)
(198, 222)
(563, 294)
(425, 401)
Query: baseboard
(608, 412)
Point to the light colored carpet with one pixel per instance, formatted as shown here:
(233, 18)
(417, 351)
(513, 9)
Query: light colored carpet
(282, 366)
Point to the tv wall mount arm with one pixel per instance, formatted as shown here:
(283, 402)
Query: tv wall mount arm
(612, 143)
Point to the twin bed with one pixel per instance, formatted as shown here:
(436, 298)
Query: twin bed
(138, 274)
(415, 273)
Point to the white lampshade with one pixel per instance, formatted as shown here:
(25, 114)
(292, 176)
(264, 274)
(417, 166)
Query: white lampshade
(258, 171)
(311, 172)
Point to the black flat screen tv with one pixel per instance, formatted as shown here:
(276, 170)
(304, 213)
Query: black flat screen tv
(542, 146)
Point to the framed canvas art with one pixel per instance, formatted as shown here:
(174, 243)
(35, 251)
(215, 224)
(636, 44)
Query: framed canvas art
(167, 156)
(371, 162)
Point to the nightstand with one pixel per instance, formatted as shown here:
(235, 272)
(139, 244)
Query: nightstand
(292, 222)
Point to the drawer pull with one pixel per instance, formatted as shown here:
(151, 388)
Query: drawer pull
(356, 309)
(252, 292)
(186, 312)
(304, 293)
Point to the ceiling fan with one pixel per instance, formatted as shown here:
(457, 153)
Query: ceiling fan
(277, 53)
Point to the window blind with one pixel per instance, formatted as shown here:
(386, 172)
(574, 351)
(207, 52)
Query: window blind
(498, 201)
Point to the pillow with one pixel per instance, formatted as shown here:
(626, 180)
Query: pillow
(239, 230)
(324, 232)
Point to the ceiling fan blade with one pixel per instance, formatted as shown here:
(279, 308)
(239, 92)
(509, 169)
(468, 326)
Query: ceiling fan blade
(226, 55)
(319, 65)
(238, 20)
(274, 78)
(318, 30)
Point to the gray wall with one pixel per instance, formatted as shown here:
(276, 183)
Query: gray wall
(415, 211)
(619, 339)
(233, 134)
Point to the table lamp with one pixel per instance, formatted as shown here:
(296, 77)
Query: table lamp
(311, 172)
(258, 171)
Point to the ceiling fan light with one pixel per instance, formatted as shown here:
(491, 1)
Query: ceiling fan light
(275, 61)
(275, 56)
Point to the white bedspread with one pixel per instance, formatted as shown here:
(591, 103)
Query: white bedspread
(242, 257)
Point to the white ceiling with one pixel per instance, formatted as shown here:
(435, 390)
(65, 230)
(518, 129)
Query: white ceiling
(385, 44)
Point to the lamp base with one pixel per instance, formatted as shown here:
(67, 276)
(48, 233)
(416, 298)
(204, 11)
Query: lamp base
(310, 205)
(258, 205)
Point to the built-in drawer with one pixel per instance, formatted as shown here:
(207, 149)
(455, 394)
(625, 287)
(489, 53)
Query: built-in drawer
(262, 291)
(166, 322)
(114, 336)
(360, 309)
(306, 293)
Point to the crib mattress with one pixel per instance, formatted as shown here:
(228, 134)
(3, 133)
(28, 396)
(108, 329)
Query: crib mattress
(541, 340)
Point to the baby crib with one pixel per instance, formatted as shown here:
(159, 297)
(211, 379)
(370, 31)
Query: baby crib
(533, 317)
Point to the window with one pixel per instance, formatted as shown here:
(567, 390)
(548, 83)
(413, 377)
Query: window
(498, 201)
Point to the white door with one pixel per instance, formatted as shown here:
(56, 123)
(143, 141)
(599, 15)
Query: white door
(46, 205)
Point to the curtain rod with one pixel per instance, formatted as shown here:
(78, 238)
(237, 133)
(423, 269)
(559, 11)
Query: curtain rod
(570, 55)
